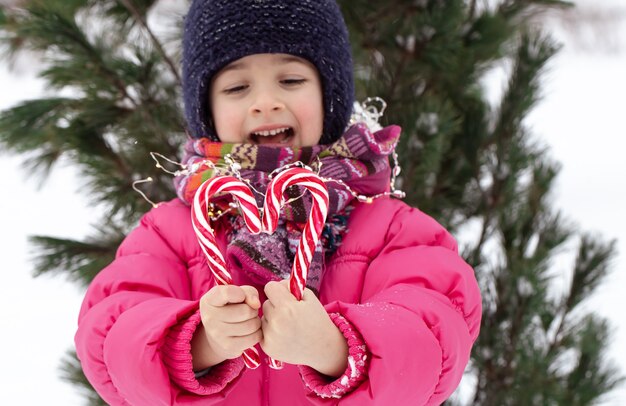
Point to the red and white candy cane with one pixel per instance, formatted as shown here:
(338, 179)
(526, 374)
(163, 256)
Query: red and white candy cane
(206, 237)
(274, 199)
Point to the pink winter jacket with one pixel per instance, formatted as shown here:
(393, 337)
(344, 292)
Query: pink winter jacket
(397, 280)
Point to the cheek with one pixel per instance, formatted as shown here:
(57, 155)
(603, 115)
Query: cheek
(312, 124)
(227, 122)
(312, 112)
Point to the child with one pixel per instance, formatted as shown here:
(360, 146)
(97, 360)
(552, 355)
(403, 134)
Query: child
(390, 311)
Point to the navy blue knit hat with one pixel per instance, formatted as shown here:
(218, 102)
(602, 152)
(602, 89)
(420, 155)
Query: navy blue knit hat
(218, 32)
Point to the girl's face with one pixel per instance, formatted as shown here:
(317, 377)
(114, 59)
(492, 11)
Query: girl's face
(269, 99)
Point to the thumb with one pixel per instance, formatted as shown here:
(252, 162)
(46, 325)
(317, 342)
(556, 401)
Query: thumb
(252, 297)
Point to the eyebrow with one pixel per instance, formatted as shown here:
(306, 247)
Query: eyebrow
(292, 58)
(283, 60)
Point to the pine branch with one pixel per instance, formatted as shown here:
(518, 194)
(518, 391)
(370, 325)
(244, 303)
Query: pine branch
(591, 377)
(72, 373)
(45, 28)
(591, 268)
(43, 126)
(80, 260)
(525, 9)
(123, 14)
(155, 41)
(22, 127)
(472, 10)
(28, 129)
(522, 92)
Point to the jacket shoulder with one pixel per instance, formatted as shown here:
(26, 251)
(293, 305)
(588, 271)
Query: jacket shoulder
(167, 226)
(372, 227)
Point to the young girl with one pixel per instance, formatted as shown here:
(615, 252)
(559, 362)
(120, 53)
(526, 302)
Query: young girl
(390, 311)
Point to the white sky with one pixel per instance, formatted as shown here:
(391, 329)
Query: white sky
(582, 119)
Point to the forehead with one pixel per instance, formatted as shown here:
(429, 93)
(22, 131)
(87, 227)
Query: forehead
(252, 61)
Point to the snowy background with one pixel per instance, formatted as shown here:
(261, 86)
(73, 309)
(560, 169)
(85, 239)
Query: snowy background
(582, 118)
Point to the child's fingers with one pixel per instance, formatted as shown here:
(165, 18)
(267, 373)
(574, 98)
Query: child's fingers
(278, 293)
(236, 345)
(268, 309)
(243, 328)
(236, 313)
(252, 296)
(308, 295)
(222, 295)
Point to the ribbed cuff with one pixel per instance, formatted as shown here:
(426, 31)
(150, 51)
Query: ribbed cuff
(355, 373)
(176, 353)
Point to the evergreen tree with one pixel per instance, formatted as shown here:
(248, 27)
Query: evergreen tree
(473, 166)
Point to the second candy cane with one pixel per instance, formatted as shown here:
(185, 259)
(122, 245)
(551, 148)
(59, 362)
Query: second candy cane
(274, 199)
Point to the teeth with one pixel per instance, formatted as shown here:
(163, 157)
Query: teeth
(271, 132)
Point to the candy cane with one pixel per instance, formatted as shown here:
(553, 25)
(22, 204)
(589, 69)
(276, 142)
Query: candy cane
(206, 237)
(314, 226)
(274, 199)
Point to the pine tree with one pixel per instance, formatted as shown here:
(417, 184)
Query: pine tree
(472, 165)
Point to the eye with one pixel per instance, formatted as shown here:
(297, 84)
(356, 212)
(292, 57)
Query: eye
(292, 81)
(235, 89)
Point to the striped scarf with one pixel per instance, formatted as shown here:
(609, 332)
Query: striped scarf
(359, 158)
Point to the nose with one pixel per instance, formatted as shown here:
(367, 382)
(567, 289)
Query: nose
(265, 102)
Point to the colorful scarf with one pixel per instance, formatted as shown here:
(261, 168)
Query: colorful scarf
(359, 159)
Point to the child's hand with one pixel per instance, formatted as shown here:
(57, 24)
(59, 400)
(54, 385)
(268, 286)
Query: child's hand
(230, 317)
(301, 332)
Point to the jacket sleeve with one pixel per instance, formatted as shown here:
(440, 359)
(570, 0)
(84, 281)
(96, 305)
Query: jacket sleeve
(355, 373)
(137, 319)
(419, 314)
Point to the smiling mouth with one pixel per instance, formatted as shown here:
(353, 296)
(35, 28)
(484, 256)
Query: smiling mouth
(277, 136)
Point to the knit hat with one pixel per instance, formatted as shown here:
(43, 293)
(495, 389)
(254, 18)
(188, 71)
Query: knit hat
(218, 32)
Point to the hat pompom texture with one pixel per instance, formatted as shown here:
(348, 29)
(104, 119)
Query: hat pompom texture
(218, 32)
